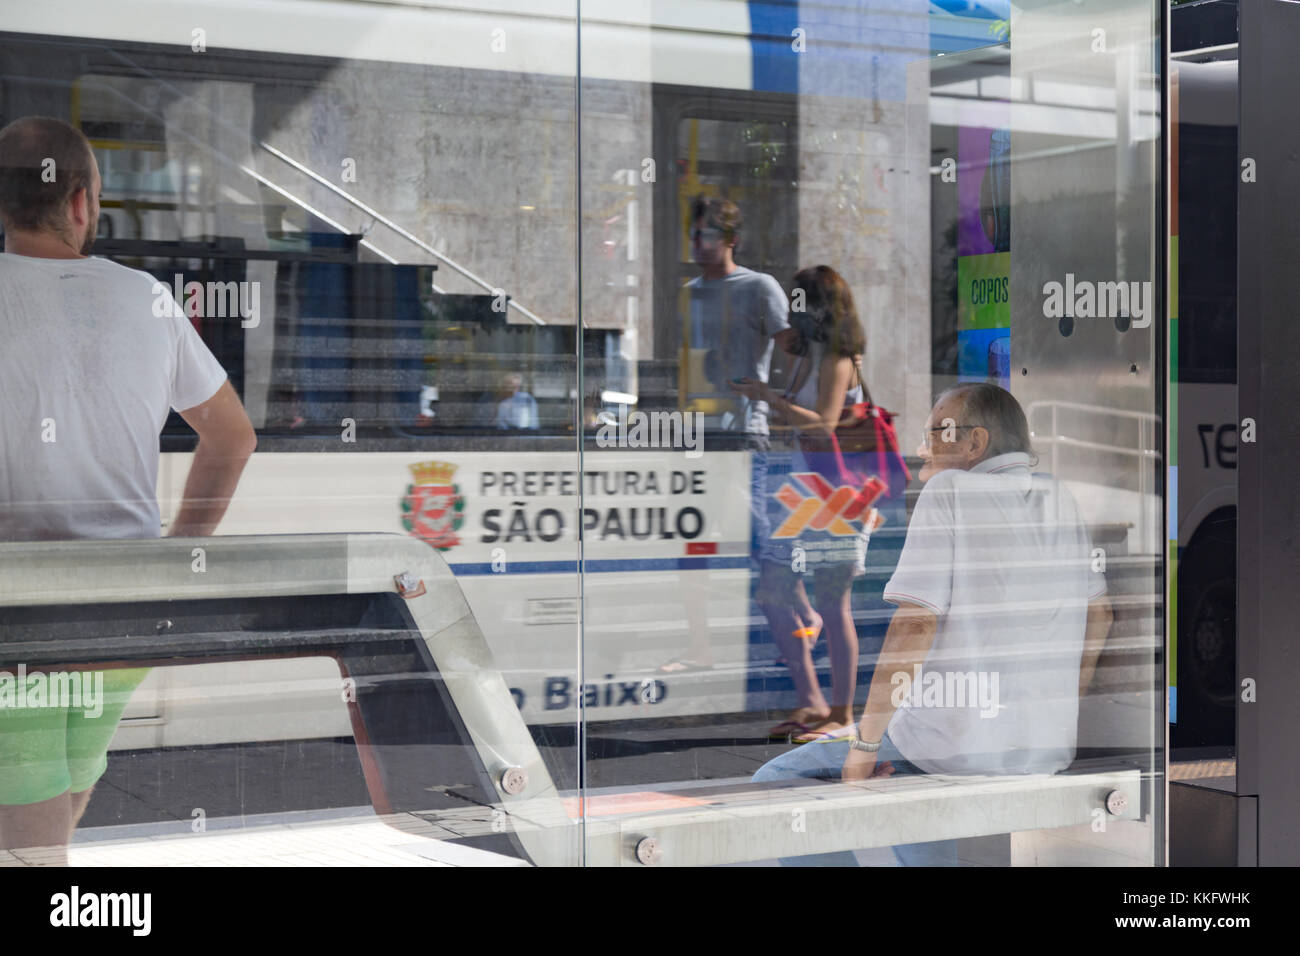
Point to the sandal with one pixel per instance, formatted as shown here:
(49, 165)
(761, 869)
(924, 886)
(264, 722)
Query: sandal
(814, 736)
(787, 728)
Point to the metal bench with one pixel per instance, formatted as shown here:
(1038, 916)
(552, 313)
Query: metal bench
(437, 732)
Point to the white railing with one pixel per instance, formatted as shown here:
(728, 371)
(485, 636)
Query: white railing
(404, 233)
(1149, 430)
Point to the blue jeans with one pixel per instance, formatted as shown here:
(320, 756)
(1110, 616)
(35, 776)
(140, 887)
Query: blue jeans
(760, 526)
(824, 762)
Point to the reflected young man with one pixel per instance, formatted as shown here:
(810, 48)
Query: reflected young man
(735, 313)
(91, 366)
(994, 589)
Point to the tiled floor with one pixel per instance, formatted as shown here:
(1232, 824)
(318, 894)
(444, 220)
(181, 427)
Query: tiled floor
(1202, 769)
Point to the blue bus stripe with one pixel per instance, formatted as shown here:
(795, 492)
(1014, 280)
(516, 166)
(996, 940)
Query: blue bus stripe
(774, 63)
(605, 565)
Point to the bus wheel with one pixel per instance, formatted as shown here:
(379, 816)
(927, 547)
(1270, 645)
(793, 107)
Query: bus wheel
(1214, 643)
(1207, 639)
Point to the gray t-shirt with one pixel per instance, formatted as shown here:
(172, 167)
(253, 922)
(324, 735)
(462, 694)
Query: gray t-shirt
(94, 356)
(737, 315)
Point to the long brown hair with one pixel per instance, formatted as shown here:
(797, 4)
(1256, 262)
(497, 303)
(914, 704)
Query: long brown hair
(828, 314)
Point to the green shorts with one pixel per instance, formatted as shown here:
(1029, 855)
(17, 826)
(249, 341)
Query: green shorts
(52, 748)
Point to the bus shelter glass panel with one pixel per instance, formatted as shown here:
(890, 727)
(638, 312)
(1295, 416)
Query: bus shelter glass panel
(364, 221)
(1203, 380)
(872, 505)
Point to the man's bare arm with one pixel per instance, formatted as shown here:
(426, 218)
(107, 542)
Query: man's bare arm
(226, 441)
(1100, 617)
(908, 641)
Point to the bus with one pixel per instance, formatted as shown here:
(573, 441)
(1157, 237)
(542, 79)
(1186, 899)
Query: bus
(370, 330)
(1203, 380)
(376, 308)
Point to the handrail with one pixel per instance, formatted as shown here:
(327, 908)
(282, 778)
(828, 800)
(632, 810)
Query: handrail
(1082, 407)
(315, 212)
(404, 233)
(1098, 446)
(1148, 425)
(374, 214)
(301, 203)
(1055, 438)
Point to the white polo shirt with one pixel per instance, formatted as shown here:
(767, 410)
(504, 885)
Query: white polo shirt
(1002, 558)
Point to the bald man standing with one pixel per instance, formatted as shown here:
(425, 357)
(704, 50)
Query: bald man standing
(89, 372)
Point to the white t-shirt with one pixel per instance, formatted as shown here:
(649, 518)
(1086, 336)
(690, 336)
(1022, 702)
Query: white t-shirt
(88, 372)
(1002, 558)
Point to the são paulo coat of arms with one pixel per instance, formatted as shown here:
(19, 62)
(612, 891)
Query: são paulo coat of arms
(433, 509)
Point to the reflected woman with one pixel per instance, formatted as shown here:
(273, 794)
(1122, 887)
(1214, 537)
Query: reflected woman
(827, 339)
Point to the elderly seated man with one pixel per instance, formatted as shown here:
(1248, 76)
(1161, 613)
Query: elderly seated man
(1001, 617)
